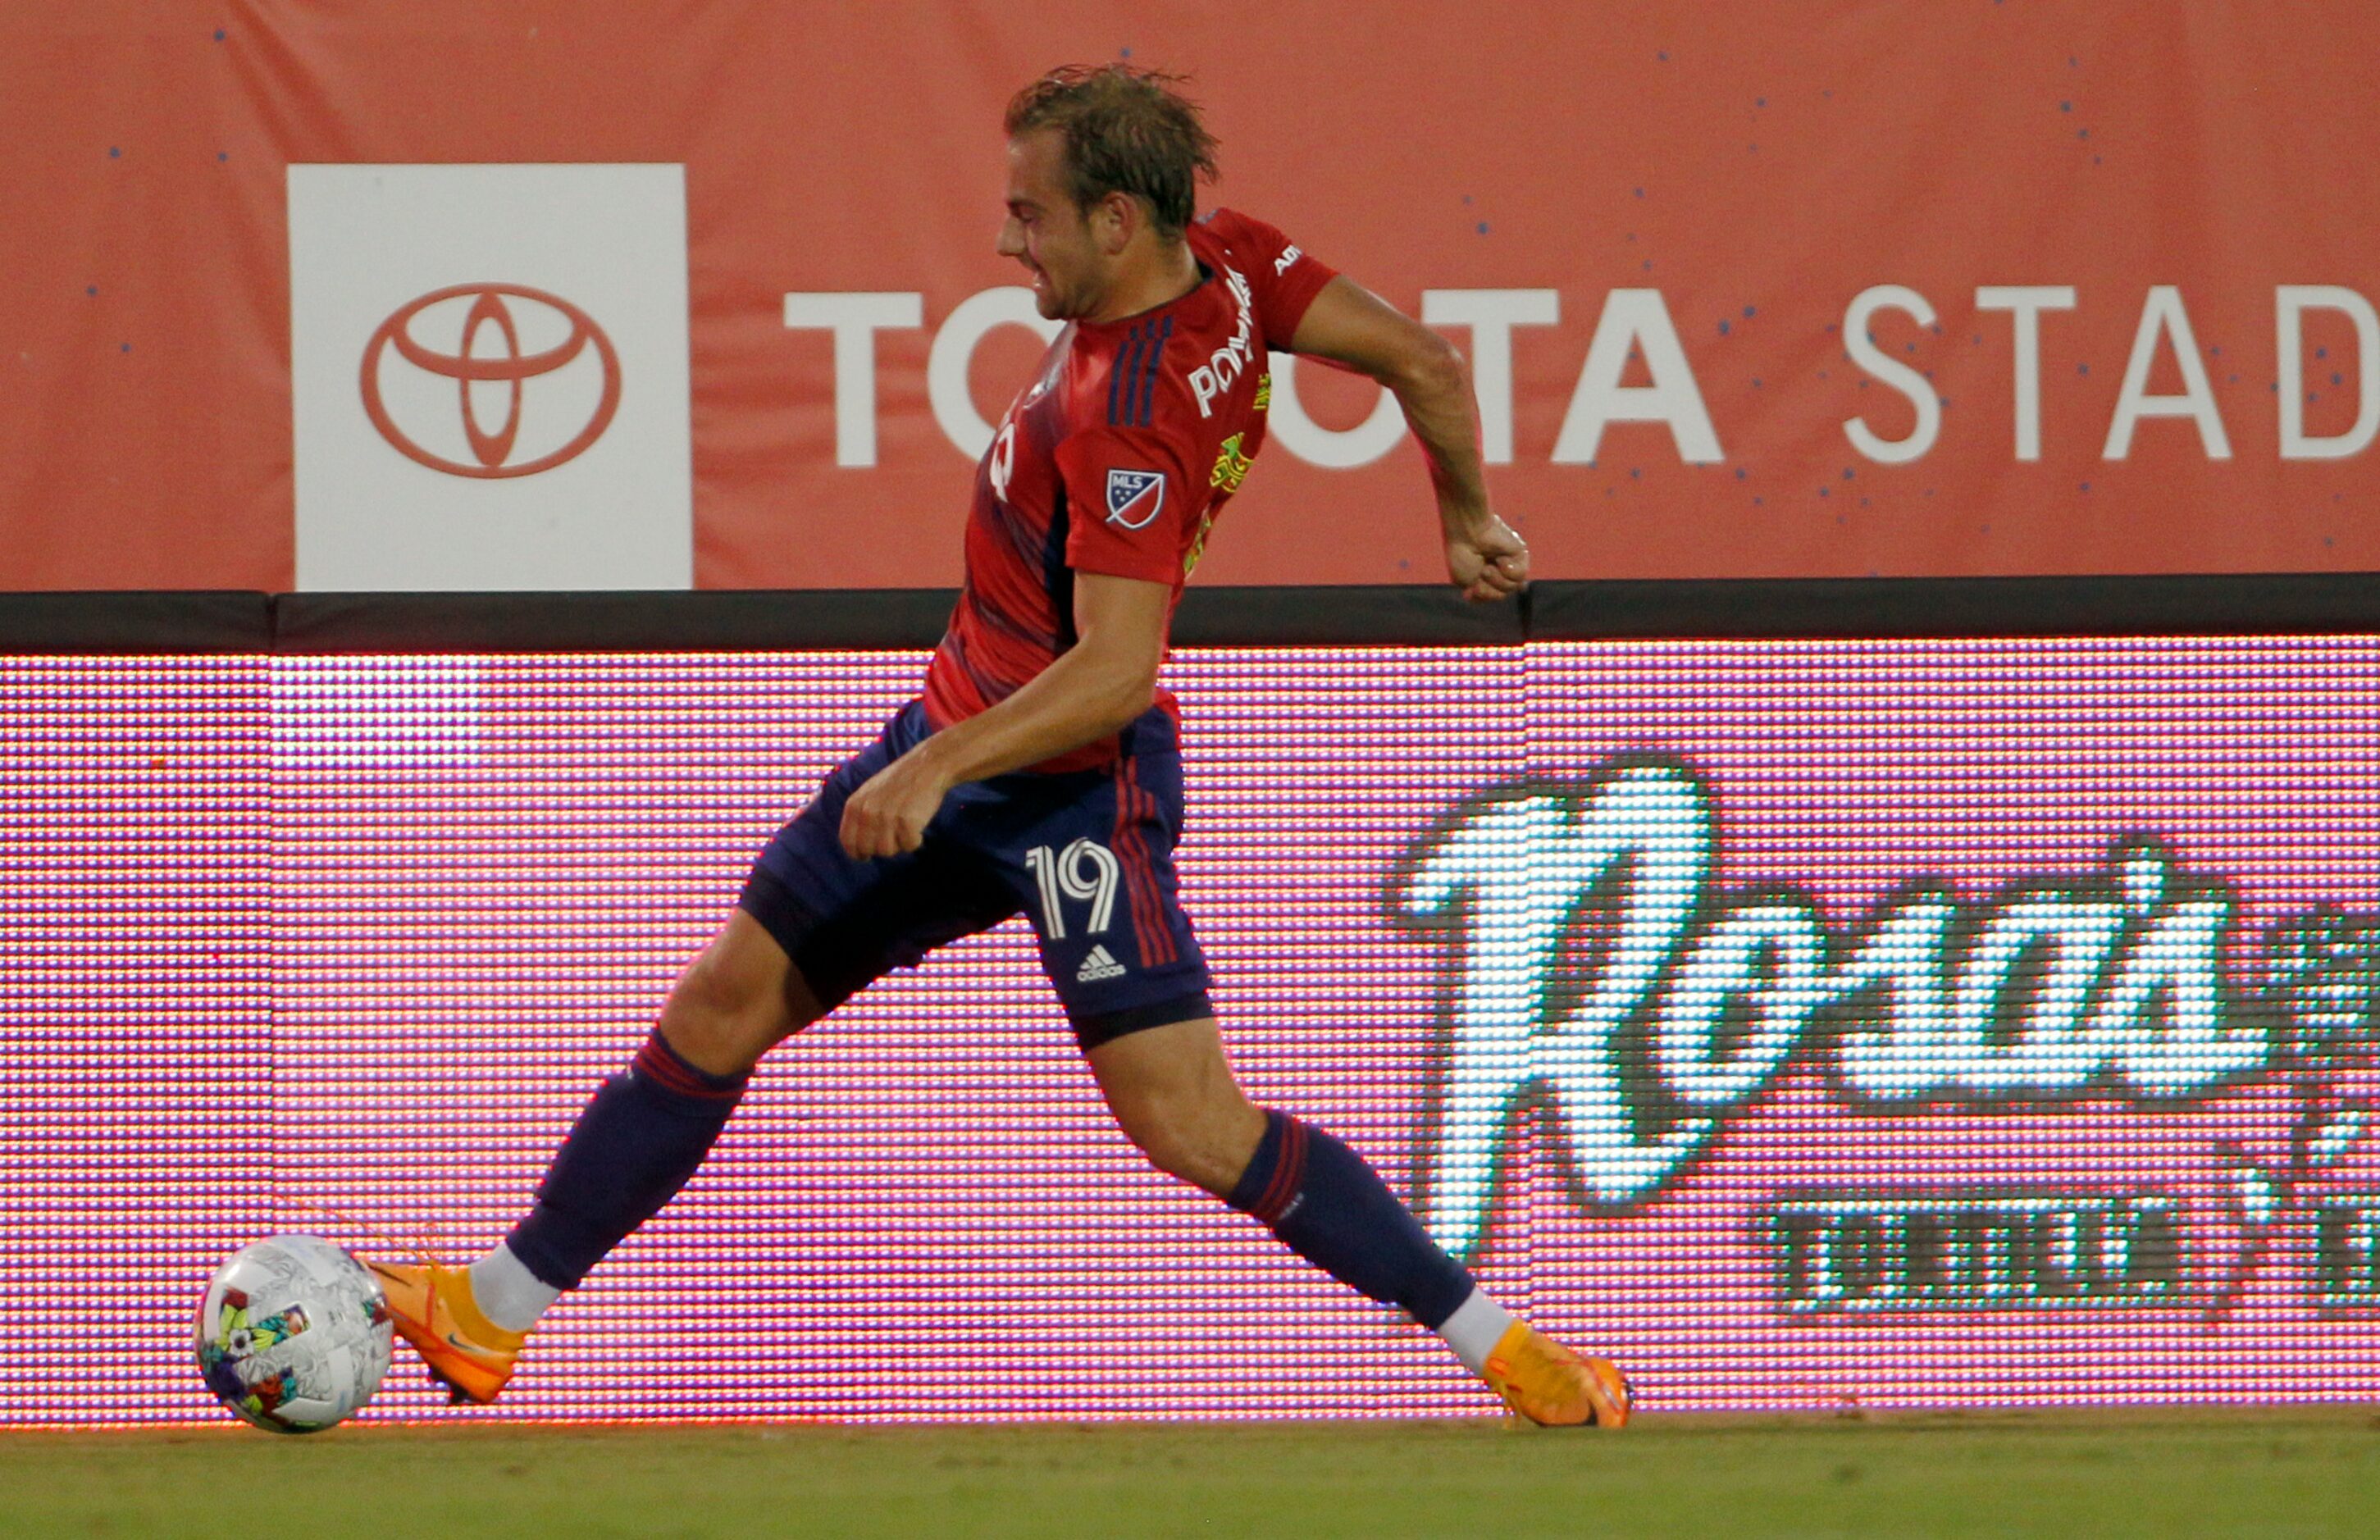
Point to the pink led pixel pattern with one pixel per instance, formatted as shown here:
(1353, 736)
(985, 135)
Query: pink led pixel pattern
(1907, 1023)
(136, 1019)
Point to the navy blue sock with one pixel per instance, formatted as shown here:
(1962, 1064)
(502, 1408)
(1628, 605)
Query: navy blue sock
(638, 1141)
(1334, 1210)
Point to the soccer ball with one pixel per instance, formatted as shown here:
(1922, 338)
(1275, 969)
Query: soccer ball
(293, 1334)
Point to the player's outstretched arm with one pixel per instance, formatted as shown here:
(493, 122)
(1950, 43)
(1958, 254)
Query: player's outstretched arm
(1105, 680)
(1350, 325)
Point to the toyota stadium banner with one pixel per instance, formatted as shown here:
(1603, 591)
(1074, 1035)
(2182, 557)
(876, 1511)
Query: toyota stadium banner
(537, 294)
(1808, 1025)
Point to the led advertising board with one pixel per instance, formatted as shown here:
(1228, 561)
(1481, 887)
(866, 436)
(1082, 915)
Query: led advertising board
(1806, 1023)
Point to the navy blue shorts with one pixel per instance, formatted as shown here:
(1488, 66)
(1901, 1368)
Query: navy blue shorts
(1087, 855)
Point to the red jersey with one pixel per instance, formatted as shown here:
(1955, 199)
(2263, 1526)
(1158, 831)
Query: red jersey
(1115, 460)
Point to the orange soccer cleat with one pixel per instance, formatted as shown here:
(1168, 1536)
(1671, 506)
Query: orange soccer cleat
(432, 1307)
(1553, 1386)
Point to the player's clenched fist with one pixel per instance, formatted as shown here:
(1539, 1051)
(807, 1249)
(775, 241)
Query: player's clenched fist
(1487, 560)
(888, 815)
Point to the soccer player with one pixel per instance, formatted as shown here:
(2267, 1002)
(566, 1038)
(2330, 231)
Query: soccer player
(1041, 763)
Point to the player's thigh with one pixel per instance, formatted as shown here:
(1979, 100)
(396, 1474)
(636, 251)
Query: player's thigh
(842, 934)
(843, 922)
(740, 997)
(1172, 1092)
(744, 972)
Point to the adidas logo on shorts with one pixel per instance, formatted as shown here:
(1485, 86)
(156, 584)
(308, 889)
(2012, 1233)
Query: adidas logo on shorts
(1098, 965)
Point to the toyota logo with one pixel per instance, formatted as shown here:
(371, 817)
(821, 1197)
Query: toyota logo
(490, 372)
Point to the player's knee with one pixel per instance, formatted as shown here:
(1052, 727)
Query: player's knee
(1164, 1147)
(1173, 1152)
(713, 987)
(730, 1007)
(1207, 1147)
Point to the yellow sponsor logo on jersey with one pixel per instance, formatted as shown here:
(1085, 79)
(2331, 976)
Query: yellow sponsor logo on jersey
(1230, 466)
(1264, 393)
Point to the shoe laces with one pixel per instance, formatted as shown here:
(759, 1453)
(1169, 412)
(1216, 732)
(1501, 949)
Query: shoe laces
(422, 1246)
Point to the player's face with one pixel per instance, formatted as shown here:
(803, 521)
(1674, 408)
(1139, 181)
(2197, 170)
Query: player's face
(1045, 232)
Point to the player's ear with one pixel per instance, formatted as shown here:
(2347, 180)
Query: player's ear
(1117, 218)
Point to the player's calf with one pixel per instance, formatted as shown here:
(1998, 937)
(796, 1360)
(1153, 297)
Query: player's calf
(642, 1136)
(639, 1140)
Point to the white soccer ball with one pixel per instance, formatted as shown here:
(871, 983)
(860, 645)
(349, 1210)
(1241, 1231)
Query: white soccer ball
(293, 1333)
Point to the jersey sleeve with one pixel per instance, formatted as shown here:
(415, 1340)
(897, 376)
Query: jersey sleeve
(1283, 278)
(1129, 500)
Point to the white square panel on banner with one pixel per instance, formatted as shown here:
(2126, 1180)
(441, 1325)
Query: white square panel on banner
(489, 377)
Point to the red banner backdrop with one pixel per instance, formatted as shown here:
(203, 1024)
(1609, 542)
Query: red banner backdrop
(1829, 289)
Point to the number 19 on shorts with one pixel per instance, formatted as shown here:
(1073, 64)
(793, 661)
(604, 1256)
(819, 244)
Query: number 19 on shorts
(1084, 870)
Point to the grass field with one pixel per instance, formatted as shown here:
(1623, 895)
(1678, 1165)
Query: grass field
(2265, 1472)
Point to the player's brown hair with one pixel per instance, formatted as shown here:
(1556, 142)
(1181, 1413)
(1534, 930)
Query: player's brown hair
(1127, 130)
